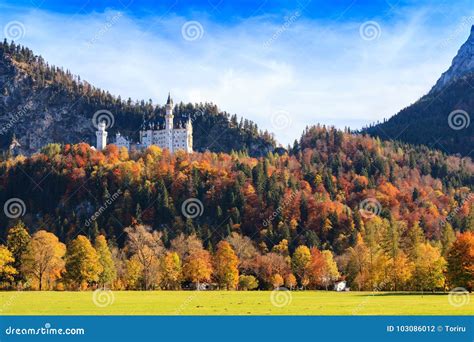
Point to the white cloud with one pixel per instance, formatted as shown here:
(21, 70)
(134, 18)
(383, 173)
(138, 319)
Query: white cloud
(317, 72)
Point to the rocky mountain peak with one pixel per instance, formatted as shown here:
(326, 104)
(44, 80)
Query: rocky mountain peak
(462, 64)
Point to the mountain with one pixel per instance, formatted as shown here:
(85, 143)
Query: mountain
(463, 64)
(441, 118)
(41, 104)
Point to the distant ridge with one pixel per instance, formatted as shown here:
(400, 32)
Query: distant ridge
(41, 104)
(442, 118)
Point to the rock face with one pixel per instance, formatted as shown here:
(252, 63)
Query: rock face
(38, 114)
(42, 104)
(462, 65)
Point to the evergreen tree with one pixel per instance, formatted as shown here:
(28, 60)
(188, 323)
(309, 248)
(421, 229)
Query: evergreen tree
(17, 242)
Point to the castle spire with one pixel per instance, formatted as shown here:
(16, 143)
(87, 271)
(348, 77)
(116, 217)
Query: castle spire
(169, 101)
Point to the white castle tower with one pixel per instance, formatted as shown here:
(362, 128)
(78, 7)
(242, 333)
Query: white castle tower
(189, 137)
(101, 136)
(169, 124)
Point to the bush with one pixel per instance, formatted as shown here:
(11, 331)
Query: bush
(247, 282)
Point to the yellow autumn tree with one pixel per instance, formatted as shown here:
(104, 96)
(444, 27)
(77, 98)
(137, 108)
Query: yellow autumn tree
(301, 264)
(330, 273)
(429, 268)
(108, 273)
(133, 272)
(7, 271)
(358, 265)
(42, 263)
(83, 266)
(171, 271)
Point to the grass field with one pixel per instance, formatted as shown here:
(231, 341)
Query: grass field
(229, 303)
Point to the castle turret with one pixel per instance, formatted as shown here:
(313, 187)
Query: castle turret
(169, 123)
(169, 113)
(101, 136)
(189, 136)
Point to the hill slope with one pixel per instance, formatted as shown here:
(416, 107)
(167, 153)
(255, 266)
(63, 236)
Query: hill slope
(440, 119)
(310, 196)
(41, 104)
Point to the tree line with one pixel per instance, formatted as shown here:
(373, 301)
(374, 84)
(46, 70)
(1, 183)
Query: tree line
(42, 262)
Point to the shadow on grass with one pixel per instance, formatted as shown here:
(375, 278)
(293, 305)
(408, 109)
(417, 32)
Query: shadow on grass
(410, 293)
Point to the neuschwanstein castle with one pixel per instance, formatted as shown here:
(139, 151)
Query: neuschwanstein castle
(171, 138)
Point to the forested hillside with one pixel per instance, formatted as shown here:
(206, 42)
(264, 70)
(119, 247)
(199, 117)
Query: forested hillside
(41, 104)
(429, 120)
(442, 118)
(347, 194)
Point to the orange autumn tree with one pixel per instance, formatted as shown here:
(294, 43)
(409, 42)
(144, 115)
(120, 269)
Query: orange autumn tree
(461, 262)
(316, 267)
(198, 266)
(43, 262)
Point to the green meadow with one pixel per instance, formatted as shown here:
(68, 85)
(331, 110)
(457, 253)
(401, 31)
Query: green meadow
(231, 303)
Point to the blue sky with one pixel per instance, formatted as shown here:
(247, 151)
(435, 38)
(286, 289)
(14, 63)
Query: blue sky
(283, 64)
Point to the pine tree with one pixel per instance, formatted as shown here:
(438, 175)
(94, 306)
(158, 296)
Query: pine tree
(17, 242)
